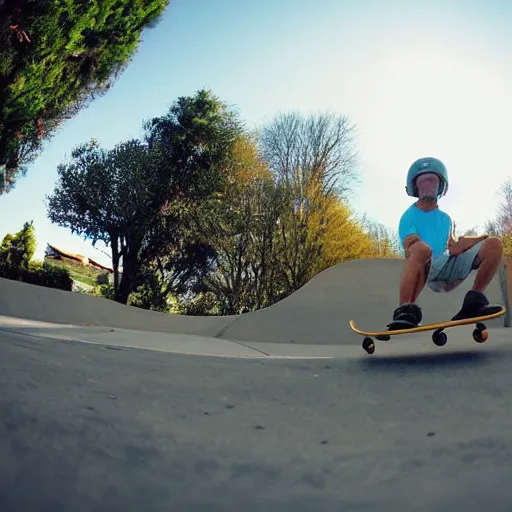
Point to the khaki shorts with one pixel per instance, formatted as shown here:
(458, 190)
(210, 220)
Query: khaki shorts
(447, 272)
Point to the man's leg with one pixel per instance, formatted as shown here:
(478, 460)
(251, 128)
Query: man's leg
(489, 255)
(486, 262)
(413, 280)
(414, 274)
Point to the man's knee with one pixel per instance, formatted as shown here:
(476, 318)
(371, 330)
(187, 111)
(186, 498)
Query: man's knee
(492, 247)
(420, 251)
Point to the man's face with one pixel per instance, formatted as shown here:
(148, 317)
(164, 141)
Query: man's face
(428, 185)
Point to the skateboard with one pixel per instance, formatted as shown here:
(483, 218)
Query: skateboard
(439, 337)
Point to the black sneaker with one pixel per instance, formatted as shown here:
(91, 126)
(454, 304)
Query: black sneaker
(406, 316)
(476, 304)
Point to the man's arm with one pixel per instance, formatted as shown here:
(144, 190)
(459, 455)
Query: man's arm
(458, 245)
(407, 232)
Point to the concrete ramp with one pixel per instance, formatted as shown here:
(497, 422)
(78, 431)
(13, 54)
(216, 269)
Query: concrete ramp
(363, 290)
(318, 313)
(23, 300)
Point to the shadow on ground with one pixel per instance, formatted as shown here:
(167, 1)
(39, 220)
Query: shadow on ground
(427, 362)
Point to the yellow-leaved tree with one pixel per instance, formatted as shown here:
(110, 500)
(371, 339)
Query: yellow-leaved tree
(345, 238)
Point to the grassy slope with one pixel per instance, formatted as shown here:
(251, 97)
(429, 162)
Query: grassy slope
(78, 272)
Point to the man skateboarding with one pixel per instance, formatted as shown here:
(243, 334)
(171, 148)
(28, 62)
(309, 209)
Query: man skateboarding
(434, 256)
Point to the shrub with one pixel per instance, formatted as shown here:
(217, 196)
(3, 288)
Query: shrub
(43, 274)
(103, 278)
(104, 290)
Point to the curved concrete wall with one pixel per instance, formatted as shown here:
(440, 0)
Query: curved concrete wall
(46, 304)
(363, 290)
(318, 313)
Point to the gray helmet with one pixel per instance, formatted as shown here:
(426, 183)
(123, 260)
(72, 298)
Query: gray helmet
(423, 166)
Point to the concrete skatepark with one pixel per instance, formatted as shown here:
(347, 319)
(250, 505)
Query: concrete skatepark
(317, 314)
(103, 407)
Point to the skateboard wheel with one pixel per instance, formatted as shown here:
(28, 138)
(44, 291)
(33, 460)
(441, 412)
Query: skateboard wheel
(368, 345)
(383, 337)
(480, 335)
(439, 338)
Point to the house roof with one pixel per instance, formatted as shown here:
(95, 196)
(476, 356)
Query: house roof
(78, 257)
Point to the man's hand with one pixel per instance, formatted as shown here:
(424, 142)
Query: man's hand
(463, 243)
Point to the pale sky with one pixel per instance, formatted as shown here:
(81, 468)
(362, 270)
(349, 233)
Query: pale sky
(417, 78)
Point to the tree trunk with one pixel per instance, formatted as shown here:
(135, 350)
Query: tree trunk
(131, 267)
(115, 260)
(124, 290)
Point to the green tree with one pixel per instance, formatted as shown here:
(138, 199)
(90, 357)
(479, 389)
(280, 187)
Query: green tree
(135, 197)
(17, 251)
(241, 227)
(55, 58)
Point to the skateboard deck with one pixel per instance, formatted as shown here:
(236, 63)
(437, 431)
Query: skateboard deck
(439, 337)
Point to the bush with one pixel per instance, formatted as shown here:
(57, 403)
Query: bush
(43, 274)
(104, 290)
(103, 278)
(8, 271)
(203, 304)
(150, 293)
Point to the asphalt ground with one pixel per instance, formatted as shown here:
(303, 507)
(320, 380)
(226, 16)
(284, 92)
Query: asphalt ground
(92, 427)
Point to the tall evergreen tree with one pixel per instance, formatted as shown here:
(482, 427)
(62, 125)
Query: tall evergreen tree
(56, 56)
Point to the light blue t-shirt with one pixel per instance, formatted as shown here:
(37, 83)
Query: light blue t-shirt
(433, 227)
